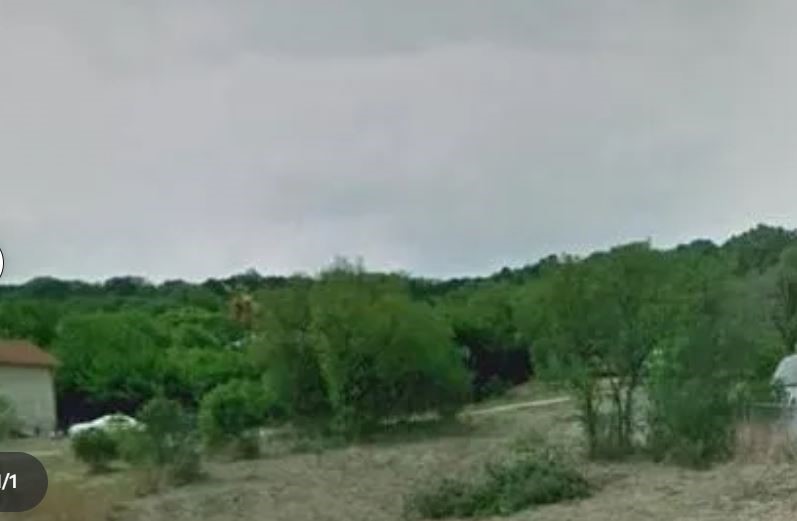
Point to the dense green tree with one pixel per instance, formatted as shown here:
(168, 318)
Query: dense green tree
(485, 326)
(109, 358)
(285, 348)
(571, 327)
(695, 373)
(601, 320)
(759, 249)
(30, 319)
(784, 306)
(381, 354)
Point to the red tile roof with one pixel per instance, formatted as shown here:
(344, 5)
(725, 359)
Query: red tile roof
(24, 354)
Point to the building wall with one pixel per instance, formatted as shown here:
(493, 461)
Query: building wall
(31, 391)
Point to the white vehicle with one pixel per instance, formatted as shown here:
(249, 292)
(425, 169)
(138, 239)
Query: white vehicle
(108, 423)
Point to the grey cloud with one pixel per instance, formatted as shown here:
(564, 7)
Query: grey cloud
(193, 139)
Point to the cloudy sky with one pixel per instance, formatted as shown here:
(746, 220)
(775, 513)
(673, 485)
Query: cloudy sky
(196, 138)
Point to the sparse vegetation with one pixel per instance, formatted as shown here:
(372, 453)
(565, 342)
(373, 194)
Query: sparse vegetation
(528, 477)
(167, 450)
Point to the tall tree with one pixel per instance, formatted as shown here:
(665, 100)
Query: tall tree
(784, 309)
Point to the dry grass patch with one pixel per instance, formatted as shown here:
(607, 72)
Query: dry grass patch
(66, 501)
(765, 442)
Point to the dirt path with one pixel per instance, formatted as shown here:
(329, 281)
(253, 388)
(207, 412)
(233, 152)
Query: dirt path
(517, 406)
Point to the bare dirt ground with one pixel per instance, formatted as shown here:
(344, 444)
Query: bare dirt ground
(367, 482)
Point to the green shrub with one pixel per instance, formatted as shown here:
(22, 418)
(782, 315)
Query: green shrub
(185, 465)
(382, 355)
(528, 478)
(9, 421)
(96, 448)
(134, 446)
(355, 350)
(692, 424)
(167, 449)
(230, 412)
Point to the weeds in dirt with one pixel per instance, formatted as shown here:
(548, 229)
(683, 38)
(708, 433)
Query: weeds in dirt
(533, 474)
(765, 442)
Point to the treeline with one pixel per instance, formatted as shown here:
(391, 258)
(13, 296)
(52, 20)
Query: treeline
(354, 347)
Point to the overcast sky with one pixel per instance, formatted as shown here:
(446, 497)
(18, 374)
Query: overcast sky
(172, 138)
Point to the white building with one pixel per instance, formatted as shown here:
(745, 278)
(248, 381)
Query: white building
(26, 379)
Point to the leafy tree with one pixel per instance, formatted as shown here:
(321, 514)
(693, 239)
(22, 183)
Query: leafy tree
(194, 327)
(30, 319)
(759, 249)
(571, 334)
(784, 311)
(485, 325)
(603, 318)
(188, 374)
(694, 373)
(285, 348)
(112, 359)
(381, 354)
(638, 301)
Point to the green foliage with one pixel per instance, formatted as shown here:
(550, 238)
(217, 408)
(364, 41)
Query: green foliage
(285, 349)
(606, 316)
(9, 420)
(30, 319)
(485, 323)
(784, 308)
(110, 357)
(572, 330)
(96, 448)
(759, 249)
(190, 373)
(532, 477)
(694, 377)
(484, 316)
(381, 354)
(231, 411)
(168, 447)
(357, 349)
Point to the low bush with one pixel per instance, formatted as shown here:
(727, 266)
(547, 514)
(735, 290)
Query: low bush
(167, 450)
(529, 477)
(230, 413)
(96, 448)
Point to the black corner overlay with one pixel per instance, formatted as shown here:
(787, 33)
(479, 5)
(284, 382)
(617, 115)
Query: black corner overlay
(23, 482)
